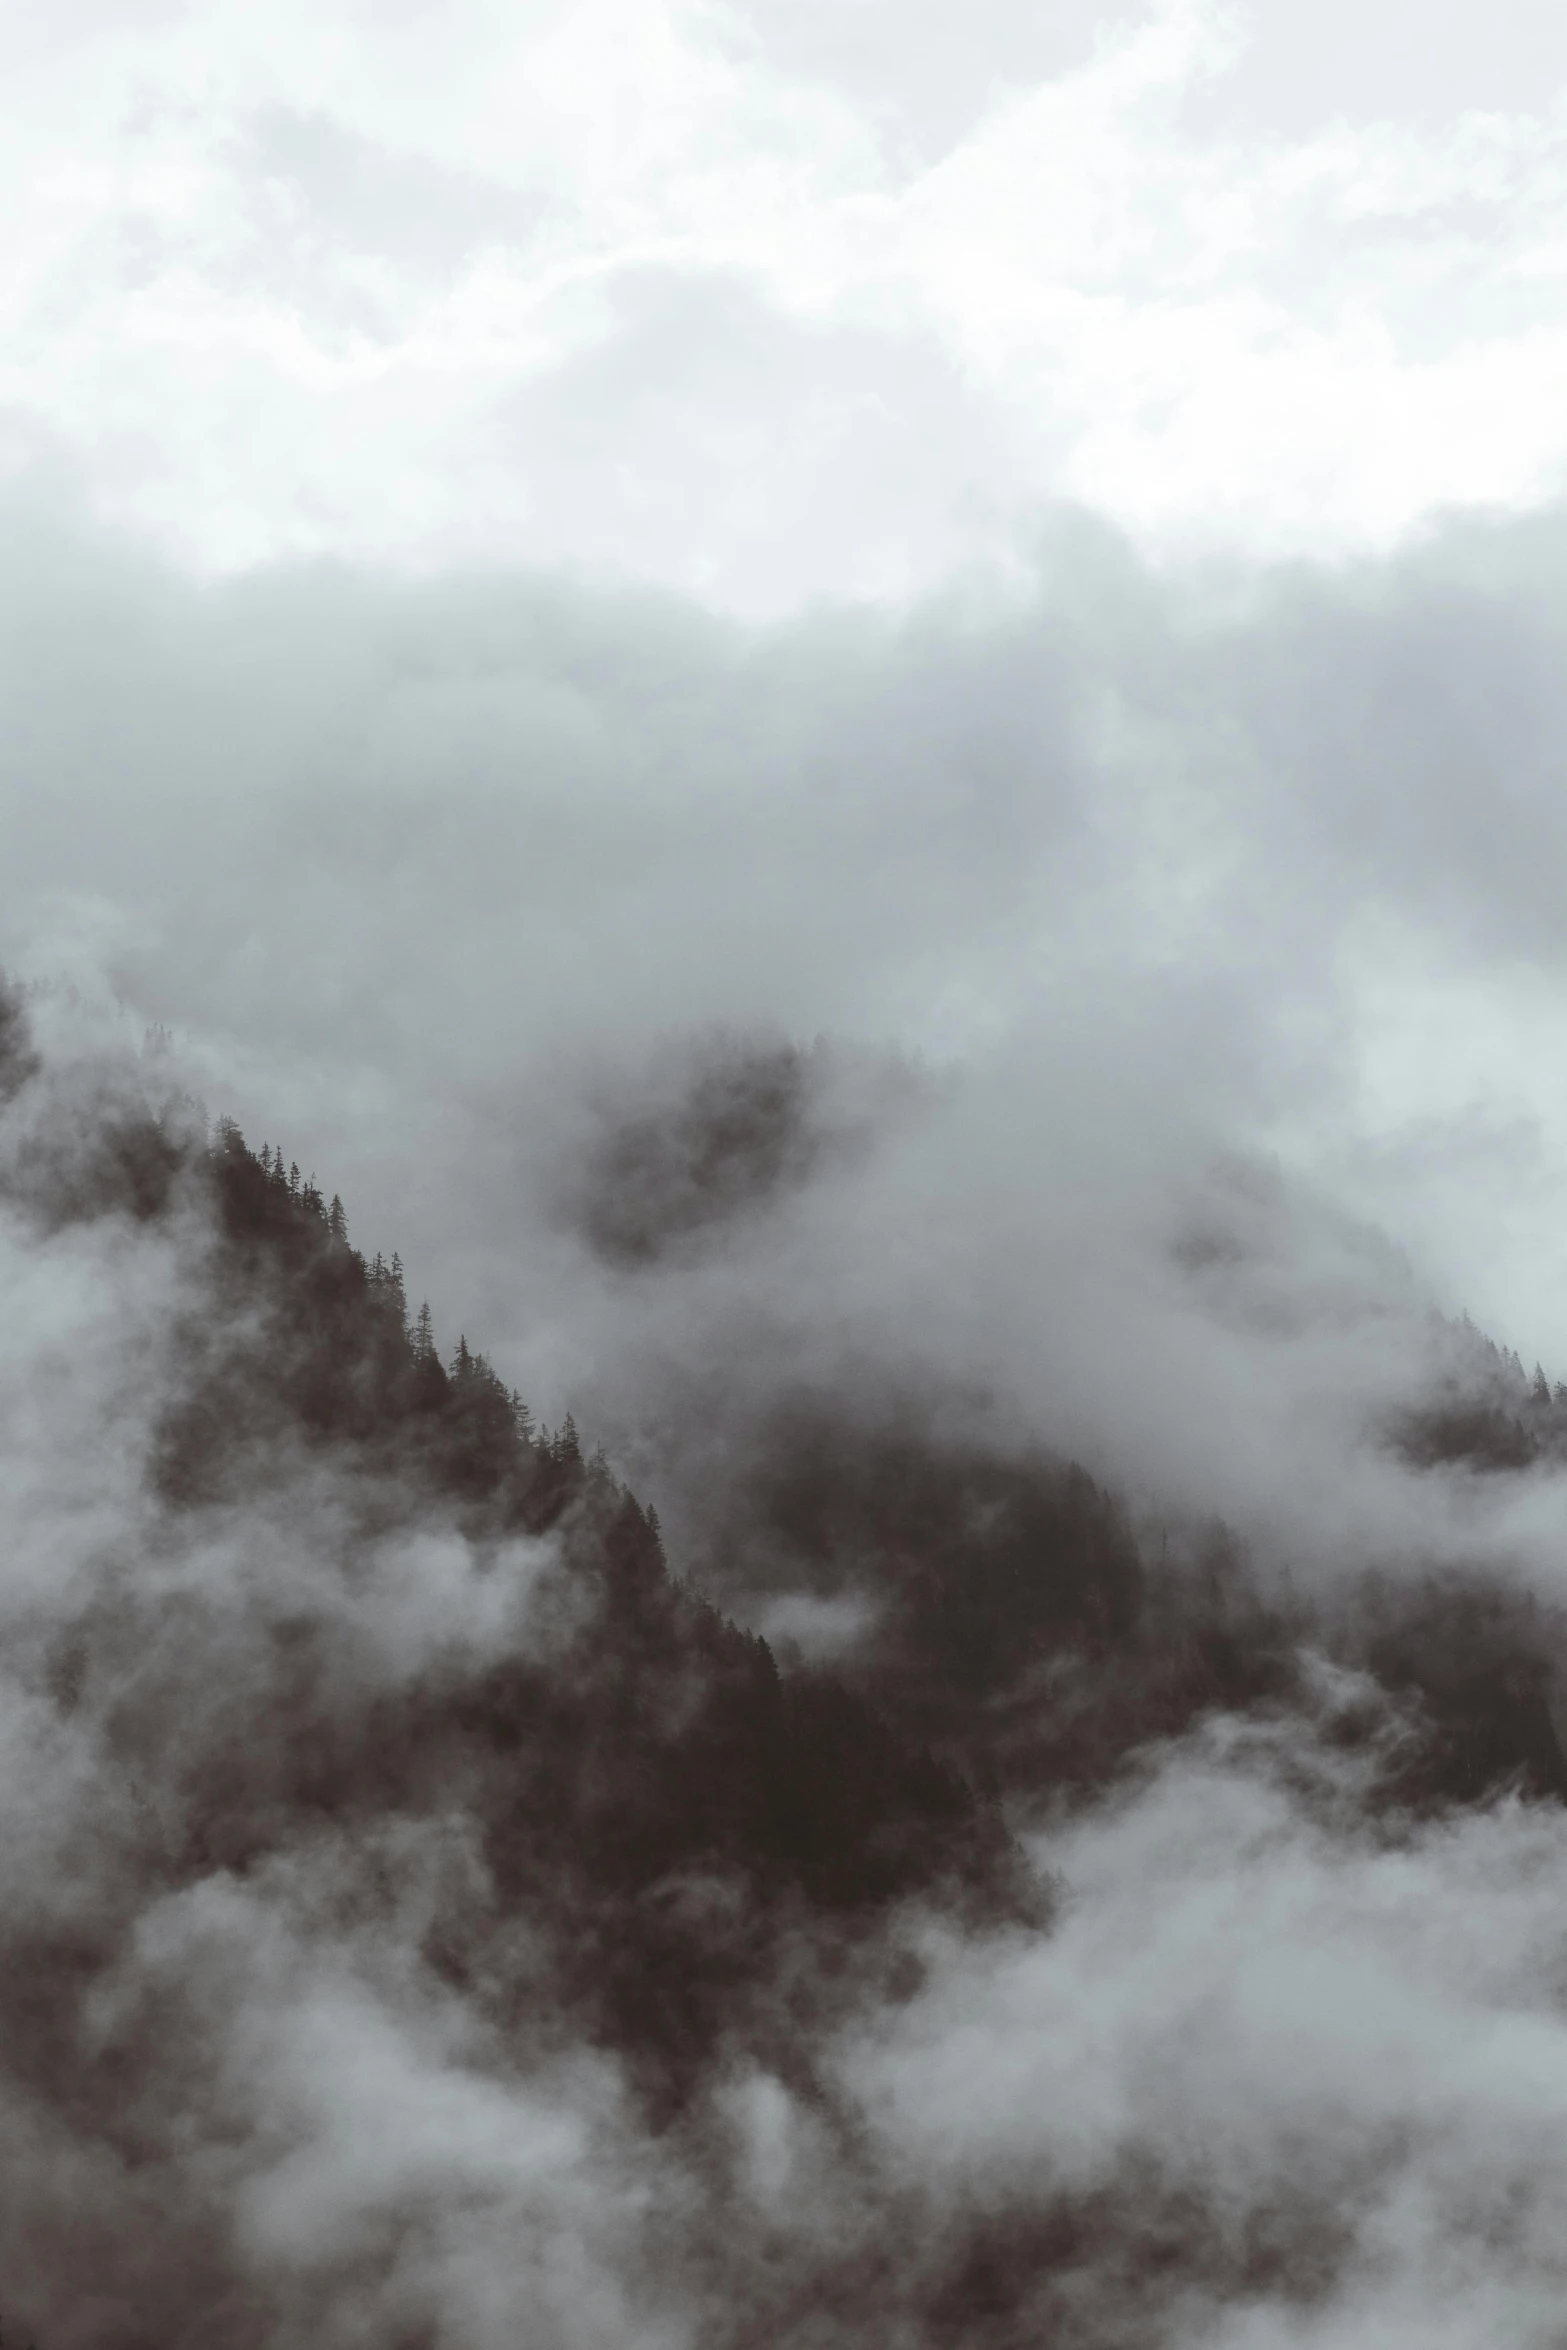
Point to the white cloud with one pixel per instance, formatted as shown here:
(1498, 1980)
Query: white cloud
(1347, 2052)
(769, 309)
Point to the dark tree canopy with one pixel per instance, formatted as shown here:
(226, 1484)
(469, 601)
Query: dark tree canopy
(662, 1838)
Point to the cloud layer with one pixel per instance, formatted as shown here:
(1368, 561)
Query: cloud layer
(1258, 2044)
(764, 302)
(426, 879)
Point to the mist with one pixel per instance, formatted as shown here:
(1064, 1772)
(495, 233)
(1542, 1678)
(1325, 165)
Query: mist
(385, 1956)
(961, 1181)
(783, 1383)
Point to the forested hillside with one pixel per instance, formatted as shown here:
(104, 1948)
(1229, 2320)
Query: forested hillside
(326, 1664)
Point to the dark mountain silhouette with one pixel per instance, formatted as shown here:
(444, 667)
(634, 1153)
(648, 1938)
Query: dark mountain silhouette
(702, 1143)
(1484, 1413)
(1024, 1646)
(657, 1745)
(658, 1842)
(737, 1129)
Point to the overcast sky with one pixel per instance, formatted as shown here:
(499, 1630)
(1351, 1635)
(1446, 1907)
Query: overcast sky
(783, 297)
(1023, 535)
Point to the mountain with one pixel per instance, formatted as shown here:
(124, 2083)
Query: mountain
(430, 1920)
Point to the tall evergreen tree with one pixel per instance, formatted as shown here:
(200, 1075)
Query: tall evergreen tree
(424, 1336)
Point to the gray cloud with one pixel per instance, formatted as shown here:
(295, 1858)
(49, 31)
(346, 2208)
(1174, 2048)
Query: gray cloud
(444, 883)
(986, 1101)
(513, 910)
(454, 854)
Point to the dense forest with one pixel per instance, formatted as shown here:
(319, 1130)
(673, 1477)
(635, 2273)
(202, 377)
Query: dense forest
(659, 1847)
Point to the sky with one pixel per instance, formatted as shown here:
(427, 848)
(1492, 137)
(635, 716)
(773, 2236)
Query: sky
(1035, 534)
(982, 592)
(768, 302)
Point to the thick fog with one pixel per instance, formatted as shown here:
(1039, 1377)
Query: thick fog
(849, 723)
(1157, 980)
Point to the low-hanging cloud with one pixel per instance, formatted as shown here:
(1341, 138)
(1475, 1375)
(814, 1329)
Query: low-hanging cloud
(459, 888)
(515, 912)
